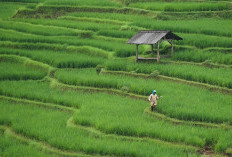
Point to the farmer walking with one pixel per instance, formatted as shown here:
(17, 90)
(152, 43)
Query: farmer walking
(153, 99)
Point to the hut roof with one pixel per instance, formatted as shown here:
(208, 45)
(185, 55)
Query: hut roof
(152, 37)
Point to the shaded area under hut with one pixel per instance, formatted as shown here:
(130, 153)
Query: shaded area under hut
(151, 37)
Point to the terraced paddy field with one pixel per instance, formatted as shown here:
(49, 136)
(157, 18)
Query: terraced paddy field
(69, 84)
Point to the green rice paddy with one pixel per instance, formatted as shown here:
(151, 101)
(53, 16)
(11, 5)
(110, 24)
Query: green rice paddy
(69, 84)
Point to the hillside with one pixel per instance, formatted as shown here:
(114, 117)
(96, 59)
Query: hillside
(70, 86)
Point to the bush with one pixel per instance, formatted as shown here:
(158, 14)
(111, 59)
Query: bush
(99, 68)
(155, 73)
(86, 34)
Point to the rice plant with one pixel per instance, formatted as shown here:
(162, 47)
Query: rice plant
(83, 3)
(209, 26)
(181, 6)
(8, 9)
(13, 147)
(119, 48)
(58, 58)
(113, 119)
(214, 76)
(17, 71)
(201, 56)
(192, 105)
(40, 29)
(24, 1)
(49, 126)
(82, 25)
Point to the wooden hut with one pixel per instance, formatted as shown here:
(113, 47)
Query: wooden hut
(151, 37)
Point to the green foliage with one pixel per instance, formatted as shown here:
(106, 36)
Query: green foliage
(99, 68)
(17, 71)
(9, 9)
(201, 56)
(209, 26)
(12, 148)
(23, 1)
(82, 3)
(214, 76)
(82, 34)
(58, 58)
(88, 50)
(80, 25)
(181, 6)
(42, 30)
(117, 34)
(155, 73)
(50, 126)
(113, 119)
(191, 105)
(120, 48)
(86, 34)
(204, 41)
(16, 68)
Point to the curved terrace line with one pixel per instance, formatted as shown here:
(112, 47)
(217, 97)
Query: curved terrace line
(10, 44)
(63, 86)
(175, 79)
(70, 123)
(58, 84)
(43, 145)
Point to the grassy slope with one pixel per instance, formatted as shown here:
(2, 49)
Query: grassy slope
(179, 105)
(107, 121)
(54, 129)
(108, 32)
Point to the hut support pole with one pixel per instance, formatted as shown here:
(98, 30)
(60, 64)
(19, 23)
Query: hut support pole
(137, 51)
(158, 55)
(152, 52)
(172, 48)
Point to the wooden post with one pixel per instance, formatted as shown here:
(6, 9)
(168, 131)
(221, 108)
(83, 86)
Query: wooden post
(152, 52)
(172, 48)
(137, 51)
(158, 55)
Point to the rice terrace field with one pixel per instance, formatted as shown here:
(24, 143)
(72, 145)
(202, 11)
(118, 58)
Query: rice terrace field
(70, 86)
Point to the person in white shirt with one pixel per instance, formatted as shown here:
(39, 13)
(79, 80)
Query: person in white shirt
(153, 100)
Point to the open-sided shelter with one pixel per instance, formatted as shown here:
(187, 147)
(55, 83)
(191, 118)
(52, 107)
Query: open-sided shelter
(152, 37)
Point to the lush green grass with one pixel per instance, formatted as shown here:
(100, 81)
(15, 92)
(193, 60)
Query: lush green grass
(69, 36)
(113, 118)
(214, 76)
(192, 105)
(83, 3)
(181, 6)
(117, 34)
(58, 59)
(40, 29)
(17, 71)
(13, 148)
(51, 126)
(88, 50)
(201, 56)
(201, 27)
(17, 68)
(144, 1)
(23, 1)
(208, 26)
(119, 48)
(9, 9)
(111, 16)
(204, 41)
(40, 91)
(75, 24)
